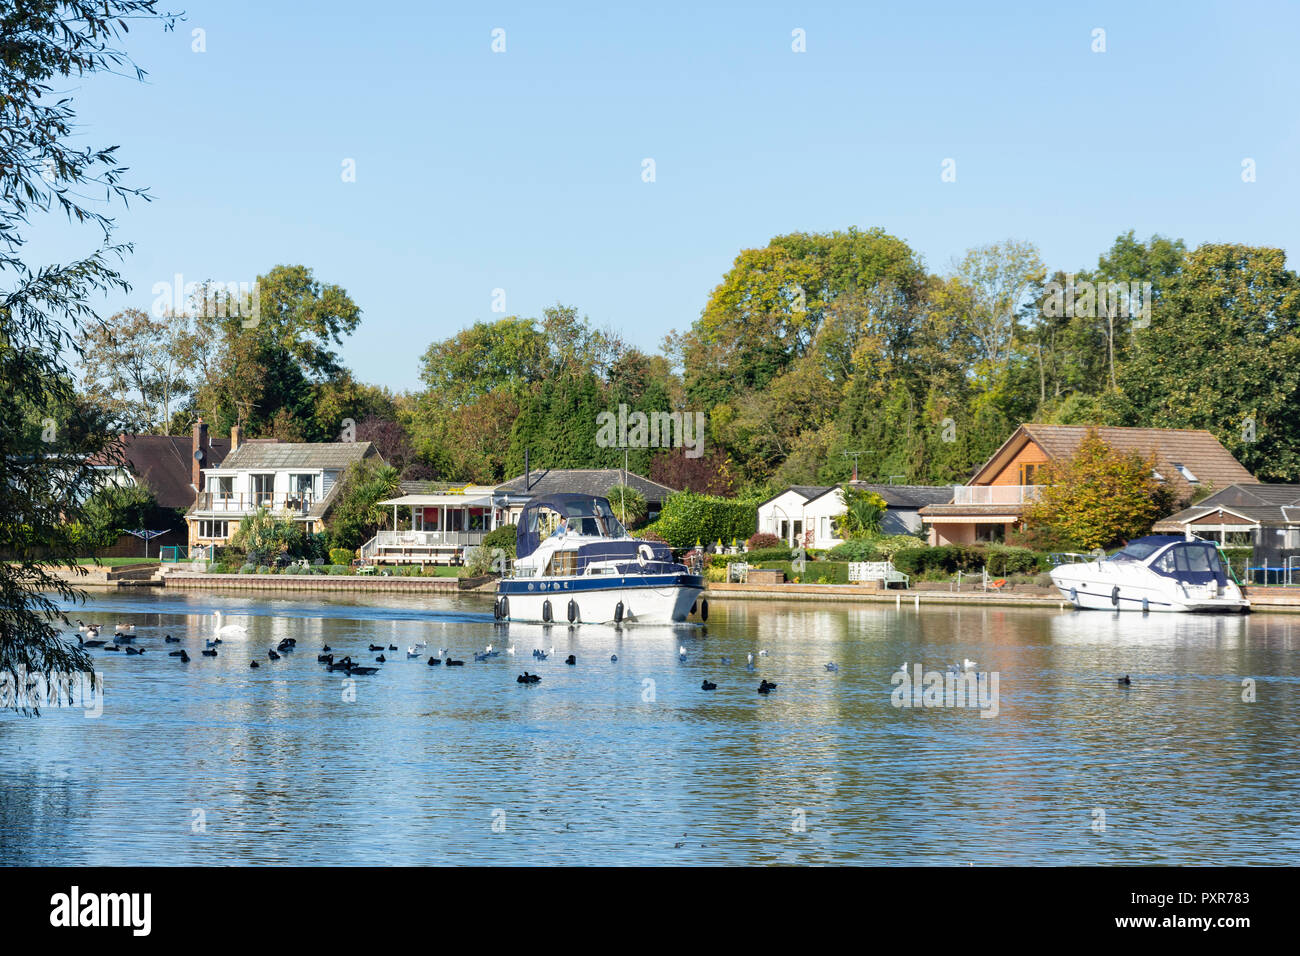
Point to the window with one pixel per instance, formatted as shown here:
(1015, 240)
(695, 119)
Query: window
(214, 529)
(1186, 473)
(263, 490)
(1029, 474)
(221, 488)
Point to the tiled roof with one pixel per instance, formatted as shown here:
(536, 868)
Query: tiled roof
(584, 481)
(909, 496)
(163, 464)
(1197, 450)
(1274, 505)
(284, 455)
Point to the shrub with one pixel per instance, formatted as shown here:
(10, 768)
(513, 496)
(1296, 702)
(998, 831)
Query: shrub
(628, 505)
(342, 556)
(247, 569)
(892, 544)
(478, 561)
(858, 549)
(688, 517)
(503, 537)
(712, 573)
(263, 569)
(338, 569)
(946, 559)
(768, 554)
(821, 572)
(651, 533)
(762, 540)
(1003, 560)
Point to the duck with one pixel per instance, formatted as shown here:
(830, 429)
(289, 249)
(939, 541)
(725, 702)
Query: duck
(124, 638)
(434, 661)
(171, 640)
(392, 647)
(613, 658)
(766, 687)
(450, 663)
(527, 678)
(288, 644)
(832, 666)
(325, 649)
(229, 630)
(135, 650)
(214, 643)
(123, 629)
(382, 659)
(111, 647)
(376, 647)
(184, 657)
(570, 660)
(272, 655)
(1124, 681)
(708, 685)
(210, 652)
(362, 670)
(324, 658)
(253, 664)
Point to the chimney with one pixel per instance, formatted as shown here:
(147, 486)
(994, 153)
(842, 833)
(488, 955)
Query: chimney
(234, 437)
(200, 449)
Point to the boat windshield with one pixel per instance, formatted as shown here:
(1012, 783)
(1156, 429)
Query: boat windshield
(1140, 550)
(594, 519)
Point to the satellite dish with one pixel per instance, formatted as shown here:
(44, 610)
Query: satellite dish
(198, 455)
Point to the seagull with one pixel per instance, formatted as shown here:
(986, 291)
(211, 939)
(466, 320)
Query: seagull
(832, 666)
(763, 654)
(511, 650)
(967, 663)
(749, 662)
(681, 653)
(412, 651)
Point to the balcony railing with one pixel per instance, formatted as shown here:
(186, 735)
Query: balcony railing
(995, 494)
(240, 503)
(428, 539)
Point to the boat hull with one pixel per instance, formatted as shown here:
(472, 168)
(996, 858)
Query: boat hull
(596, 599)
(1143, 592)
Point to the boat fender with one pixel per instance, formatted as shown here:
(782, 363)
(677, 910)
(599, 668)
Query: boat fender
(618, 613)
(505, 607)
(1114, 595)
(573, 610)
(704, 610)
(1146, 606)
(546, 610)
(644, 554)
(496, 609)
(1074, 597)
(694, 605)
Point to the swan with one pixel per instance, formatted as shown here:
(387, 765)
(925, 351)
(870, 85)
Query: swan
(229, 630)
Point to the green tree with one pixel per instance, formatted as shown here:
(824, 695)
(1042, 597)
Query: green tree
(47, 437)
(629, 505)
(1100, 497)
(1223, 353)
(863, 512)
(357, 514)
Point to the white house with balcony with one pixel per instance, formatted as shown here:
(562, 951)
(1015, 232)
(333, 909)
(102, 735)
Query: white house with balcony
(295, 480)
(434, 525)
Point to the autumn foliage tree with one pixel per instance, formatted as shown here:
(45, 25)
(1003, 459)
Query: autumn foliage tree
(1101, 496)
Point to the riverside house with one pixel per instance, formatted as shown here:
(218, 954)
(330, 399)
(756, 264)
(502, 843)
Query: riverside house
(995, 499)
(299, 480)
(1262, 517)
(805, 514)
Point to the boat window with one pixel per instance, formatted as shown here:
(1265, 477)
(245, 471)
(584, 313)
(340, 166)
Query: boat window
(1139, 550)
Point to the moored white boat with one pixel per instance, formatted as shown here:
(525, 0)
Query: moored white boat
(592, 571)
(1154, 573)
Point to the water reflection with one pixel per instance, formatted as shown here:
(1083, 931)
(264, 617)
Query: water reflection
(629, 761)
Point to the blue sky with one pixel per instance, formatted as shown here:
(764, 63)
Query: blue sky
(522, 170)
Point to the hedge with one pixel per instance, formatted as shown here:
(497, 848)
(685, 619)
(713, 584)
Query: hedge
(688, 517)
(814, 572)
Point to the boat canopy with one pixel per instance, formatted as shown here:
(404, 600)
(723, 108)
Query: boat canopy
(1195, 562)
(587, 514)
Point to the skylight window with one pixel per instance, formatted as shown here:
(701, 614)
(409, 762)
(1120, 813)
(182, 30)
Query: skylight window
(1186, 473)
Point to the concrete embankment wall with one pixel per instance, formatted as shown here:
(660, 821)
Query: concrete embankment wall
(333, 582)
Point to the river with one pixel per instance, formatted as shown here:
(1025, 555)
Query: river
(631, 762)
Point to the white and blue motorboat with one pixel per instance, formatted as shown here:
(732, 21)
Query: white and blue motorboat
(1156, 573)
(589, 570)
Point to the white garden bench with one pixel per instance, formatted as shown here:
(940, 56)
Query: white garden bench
(877, 571)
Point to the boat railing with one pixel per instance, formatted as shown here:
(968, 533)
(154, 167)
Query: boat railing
(1070, 557)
